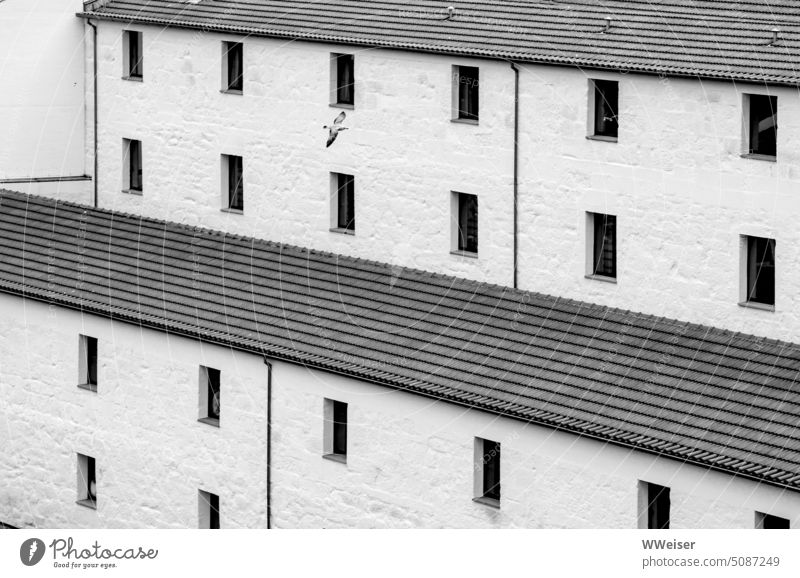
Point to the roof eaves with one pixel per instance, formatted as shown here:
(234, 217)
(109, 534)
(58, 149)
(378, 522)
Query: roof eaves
(595, 63)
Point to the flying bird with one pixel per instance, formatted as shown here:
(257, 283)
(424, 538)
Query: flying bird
(333, 130)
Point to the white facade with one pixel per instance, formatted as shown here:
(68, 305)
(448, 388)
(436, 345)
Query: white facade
(675, 179)
(42, 100)
(410, 459)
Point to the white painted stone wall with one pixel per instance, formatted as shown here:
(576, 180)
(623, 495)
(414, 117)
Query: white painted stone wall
(42, 112)
(405, 153)
(141, 426)
(409, 463)
(675, 179)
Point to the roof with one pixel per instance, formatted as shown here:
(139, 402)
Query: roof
(699, 38)
(707, 396)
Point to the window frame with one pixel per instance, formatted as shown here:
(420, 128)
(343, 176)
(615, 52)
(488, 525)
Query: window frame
(87, 362)
(208, 510)
(232, 57)
(750, 126)
(597, 227)
(343, 94)
(229, 181)
(336, 426)
(133, 56)
(465, 228)
(598, 101)
(654, 499)
(487, 480)
(766, 521)
(209, 377)
(465, 94)
(87, 477)
(340, 223)
(753, 272)
(132, 167)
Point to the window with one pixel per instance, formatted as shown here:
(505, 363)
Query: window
(87, 362)
(87, 481)
(604, 106)
(209, 395)
(602, 245)
(132, 163)
(653, 506)
(770, 522)
(335, 437)
(465, 93)
(232, 67)
(487, 472)
(343, 79)
(758, 275)
(465, 223)
(208, 510)
(761, 112)
(4, 526)
(343, 215)
(232, 183)
(132, 55)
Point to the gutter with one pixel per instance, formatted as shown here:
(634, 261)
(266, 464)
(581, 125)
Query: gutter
(269, 442)
(94, 108)
(515, 68)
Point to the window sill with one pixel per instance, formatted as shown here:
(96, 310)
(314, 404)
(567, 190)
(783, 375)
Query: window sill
(342, 231)
(88, 386)
(491, 502)
(754, 305)
(757, 157)
(136, 192)
(232, 91)
(465, 121)
(341, 458)
(602, 278)
(343, 105)
(601, 137)
(133, 78)
(91, 504)
(469, 254)
(234, 211)
(209, 420)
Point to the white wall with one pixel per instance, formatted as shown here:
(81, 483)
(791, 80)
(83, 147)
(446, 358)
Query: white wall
(141, 426)
(42, 94)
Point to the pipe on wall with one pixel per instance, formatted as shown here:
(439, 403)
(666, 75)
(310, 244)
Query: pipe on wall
(268, 363)
(515, 68)
(94, 111)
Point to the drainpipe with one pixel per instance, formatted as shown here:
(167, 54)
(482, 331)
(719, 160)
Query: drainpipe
(515, 68)
(94, 111)
(269, 442)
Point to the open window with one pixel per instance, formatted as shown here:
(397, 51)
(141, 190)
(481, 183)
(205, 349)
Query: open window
(232, 183)
(132, 166)
(758, 272)
(208, 510)
(335, 435)
(87, 362)
(487, 472)
(133, 65)
(604, 109)
(466, 93)
(343, 80)
(601, 251)
(233, 67)
(464, 236)
(210, 400)
(87, 481)
(343, 214)
(761, 126)
(654, 506)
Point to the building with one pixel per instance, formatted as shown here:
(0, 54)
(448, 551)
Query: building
(551, 239)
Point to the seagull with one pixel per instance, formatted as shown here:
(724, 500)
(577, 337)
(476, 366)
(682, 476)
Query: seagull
(333, 130)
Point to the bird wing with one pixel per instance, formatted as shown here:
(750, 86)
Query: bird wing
(340, 118)
(332, 137)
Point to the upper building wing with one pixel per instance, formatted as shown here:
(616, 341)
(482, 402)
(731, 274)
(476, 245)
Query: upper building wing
(752, 41)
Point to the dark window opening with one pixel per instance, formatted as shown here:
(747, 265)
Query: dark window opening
(763, 124)
(345, 202)
(235, 183)
(213, 512)
(657, 507)
(605, 245)
(235, 65)
(761, 270)
(467, 223)
(213, 392)
(468, 89)
(606, 100)
(134, 54)
(345, 79)
(491, 470)
(339, 428)
(775, 523)
(91, 360)
(135, 165)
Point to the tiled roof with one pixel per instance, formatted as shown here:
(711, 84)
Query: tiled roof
(704, 395)
(704, 38)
